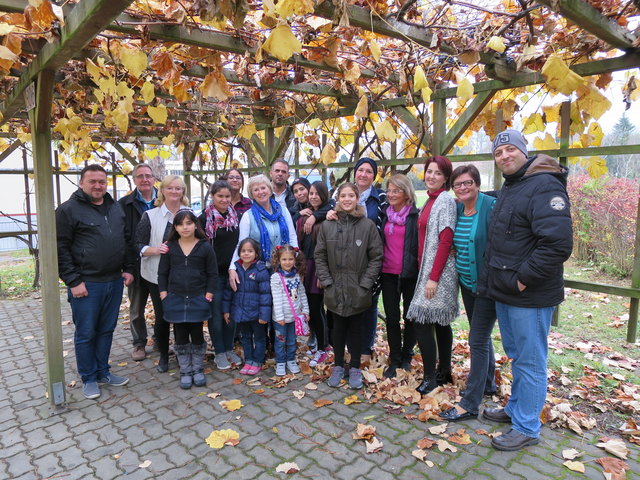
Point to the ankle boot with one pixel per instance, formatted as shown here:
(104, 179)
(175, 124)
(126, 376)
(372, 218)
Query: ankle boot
(444, 376)
(183, 354)
(197, 361)
(428, 383)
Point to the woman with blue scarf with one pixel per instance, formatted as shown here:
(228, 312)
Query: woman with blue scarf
(266, 222)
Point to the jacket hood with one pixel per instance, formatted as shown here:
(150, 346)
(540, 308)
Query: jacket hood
(357, 213)
(545, 164)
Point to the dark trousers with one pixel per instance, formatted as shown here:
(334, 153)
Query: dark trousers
(481, 312)
(395, 289)
(347, 326)
(317, 319)
(138, 294)
(254, 339)
(435, 343)
(161, 329)
(188, 332)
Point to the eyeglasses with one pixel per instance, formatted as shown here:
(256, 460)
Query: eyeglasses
(394, 192)
(466, 183)
(234, 177)
(143, 176)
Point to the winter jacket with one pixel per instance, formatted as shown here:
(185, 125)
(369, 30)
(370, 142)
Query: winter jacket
(224, 244)
(133, 211)
(289, 200)
(188, 275)
(374, 204)
(530, 237)
(252, 300)
(348, 261)
(92, 246)
(410, 266)
(281, 307)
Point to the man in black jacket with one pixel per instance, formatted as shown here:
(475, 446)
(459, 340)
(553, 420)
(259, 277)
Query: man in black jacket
(282, 193)
(93, 259)
(134, 205)
(530, 237)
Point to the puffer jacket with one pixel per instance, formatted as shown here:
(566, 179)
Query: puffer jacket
(530, 237)
(252, 300)
(92, 246)
(348, 261)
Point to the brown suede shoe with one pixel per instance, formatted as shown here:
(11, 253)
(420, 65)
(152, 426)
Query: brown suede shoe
(512, 441)
(139, 353)
(496, 415)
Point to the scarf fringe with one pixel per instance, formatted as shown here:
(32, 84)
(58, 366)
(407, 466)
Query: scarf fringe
(425, 315)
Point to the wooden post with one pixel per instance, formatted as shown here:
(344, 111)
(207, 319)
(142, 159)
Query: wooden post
(57, 178)
(27, 198)
(439, 125)
(632, 327)
(497, 174)
(40, 119)
(269, 144)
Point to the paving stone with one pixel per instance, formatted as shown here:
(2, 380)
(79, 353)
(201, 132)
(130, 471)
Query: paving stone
(19, 463)
(47, 466)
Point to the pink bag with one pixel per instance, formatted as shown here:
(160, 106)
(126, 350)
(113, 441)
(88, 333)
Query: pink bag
(301, 326)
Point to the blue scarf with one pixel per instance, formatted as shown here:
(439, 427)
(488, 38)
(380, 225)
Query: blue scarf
(258, 214)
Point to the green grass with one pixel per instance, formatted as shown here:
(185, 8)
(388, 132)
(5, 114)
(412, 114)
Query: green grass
(16, 274)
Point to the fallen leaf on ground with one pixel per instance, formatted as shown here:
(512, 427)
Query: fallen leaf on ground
(419, 454)
(145, 464)
(614, 446)
(237, 381)
(311, 386)
(231, 405)
(630, 427)
(214, 395)
(571, 453)
(254, 382)
(260, 390)
(615, 467)
(299, 394)
(72, 384)
(352, 399)
(438, 429)
(373, 446)
(364, 432)
(426, 443)
(288, 467)
(574, 466)
(220, 438)
(463, 439)
(443, 445)
(321, 402)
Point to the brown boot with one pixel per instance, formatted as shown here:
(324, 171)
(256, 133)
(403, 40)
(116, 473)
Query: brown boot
(138, 353)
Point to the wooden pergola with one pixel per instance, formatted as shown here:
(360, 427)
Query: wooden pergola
(216, 76)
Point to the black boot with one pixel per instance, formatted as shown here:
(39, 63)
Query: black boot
(444, 376)
(163, 363)
(429, 383)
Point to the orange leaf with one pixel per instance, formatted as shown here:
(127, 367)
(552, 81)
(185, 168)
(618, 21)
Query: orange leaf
(425, 443)
(321, 402)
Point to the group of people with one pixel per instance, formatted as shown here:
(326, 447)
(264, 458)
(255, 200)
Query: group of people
(266, 266)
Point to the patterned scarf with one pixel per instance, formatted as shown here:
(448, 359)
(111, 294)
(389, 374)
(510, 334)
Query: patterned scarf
(216, 220)
(397, 218)
(258, 214)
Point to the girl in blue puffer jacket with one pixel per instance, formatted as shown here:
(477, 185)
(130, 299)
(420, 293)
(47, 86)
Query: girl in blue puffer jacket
(250, 305)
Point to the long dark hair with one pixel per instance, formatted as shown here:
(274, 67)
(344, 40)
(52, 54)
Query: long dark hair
(226, 175)
(323, 191)
(300, 263)
(180, 217)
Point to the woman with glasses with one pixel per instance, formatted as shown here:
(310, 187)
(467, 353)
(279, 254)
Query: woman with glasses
(235, 179)
(470, 239)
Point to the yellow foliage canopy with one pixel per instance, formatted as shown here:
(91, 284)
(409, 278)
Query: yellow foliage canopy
(560, 77)
(282, 43)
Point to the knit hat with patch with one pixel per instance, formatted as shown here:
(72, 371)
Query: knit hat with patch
(511, 137)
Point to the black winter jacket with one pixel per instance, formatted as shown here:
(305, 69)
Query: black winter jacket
(410, 266)
(530, 237)
(188, 275)
(92, 246)
(133, 211)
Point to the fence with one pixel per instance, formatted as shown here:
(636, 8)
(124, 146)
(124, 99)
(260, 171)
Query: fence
(11, 225)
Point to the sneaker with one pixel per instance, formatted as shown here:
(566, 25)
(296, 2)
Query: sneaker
(245, 370)
(113, 379)
(221, 362)
(512, 441)
(293, 367)
(90, 390)
(336, 376)
(318, 357)
(233, 358)
(355, 378)
(138, 353)
(255, 369)
(311, 352)
(281, 369)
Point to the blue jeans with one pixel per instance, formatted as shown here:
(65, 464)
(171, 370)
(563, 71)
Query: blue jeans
(481, 312)
(221, 332)
(285, 342)
(95, 317)
(524, 337)
(254, 342)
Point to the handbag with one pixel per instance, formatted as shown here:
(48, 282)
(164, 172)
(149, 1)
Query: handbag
(301, 326)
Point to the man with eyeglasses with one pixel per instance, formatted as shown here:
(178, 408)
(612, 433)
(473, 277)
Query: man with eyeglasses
(95, 262)
(134, 205)
(529, 239)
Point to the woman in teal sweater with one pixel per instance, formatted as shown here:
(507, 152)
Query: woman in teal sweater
(470, 241)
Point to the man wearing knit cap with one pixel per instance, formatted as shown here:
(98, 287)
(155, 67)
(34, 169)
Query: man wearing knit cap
(530, 237)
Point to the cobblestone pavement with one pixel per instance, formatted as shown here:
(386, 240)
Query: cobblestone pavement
(152, 420)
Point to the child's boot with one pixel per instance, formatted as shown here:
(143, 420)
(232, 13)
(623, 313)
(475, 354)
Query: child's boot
(197, 360)
(183, 354)
(293, 367)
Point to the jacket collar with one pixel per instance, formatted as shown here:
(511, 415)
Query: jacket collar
(83, 197)
(359, 211)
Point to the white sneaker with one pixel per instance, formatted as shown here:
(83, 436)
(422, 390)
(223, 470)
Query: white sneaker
(281, 370)
(293, 367)
(318, 357)
(233, 358)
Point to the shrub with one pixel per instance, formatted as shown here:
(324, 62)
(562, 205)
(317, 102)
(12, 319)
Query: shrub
(604, 221)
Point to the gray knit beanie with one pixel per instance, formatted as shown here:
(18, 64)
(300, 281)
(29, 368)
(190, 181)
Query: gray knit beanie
(511, 137)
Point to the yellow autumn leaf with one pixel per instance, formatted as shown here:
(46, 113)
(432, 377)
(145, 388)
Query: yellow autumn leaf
(362, 109)
(464, 92)
(375, 50)
(123, 90)
(287, 8)
(546, 143)
(5, 28)
(118, 117)
(352, 399)
(353, 73)
(215, 86)
(592, 101)
(419, 79)
(574, 466)
(134, 60)
(164, 154)
(148, 92)
(497, 44)
(595, 130)
(385, 131)
(560, 77)
(314, 123)
(552, 113)
(533, 124)
(595, 166)
(158, 114)
(6, 54)
(328, 155)
(218, 438)
(107, 85)
(169, 139)
(426, 94)
(231, 405)
(247, 130)
(282, 43)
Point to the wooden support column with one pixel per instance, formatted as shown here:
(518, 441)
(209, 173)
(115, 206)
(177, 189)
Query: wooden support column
(497, 174)
(40, 118)
(27, 198)
(632, 327)
(269, 145)
(465, 119)
(439, 125)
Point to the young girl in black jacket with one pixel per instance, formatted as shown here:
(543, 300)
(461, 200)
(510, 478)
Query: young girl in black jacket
(186, 279)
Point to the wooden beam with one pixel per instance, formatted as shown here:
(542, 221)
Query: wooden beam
(588, 18)
(122, 151)
(260, 147)
(439, 126)
(40, 118)
(282, 143)
(85, 21)
(464, 120)
(415, 125)
(9, 150)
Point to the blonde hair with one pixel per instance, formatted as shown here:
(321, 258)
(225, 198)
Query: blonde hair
(257, 180)
(405, 184)
(166, 181)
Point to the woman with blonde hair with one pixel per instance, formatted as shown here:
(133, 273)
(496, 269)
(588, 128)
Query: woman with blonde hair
(151, 242)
